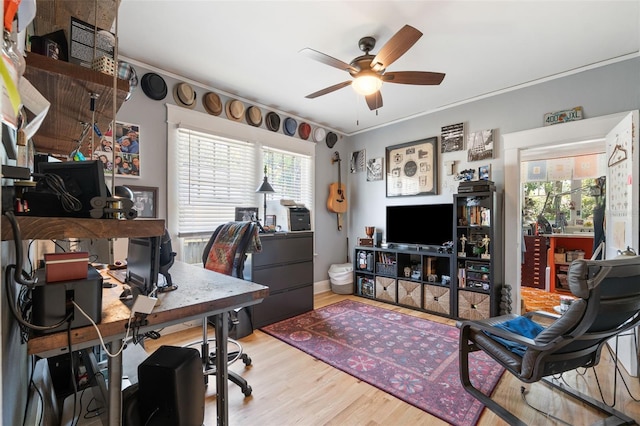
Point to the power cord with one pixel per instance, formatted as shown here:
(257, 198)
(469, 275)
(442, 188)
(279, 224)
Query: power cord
(56, 184)
(126, 337)
(523, 392)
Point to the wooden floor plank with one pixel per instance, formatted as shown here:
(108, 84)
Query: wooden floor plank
(293, 388)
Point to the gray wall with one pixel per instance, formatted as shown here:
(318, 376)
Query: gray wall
(601, 91)
(331, 244)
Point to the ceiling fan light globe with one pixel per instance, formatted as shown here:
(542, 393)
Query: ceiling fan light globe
(366, 84)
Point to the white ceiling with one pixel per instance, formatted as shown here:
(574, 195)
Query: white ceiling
(250, 49)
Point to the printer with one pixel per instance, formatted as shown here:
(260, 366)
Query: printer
(290, 216)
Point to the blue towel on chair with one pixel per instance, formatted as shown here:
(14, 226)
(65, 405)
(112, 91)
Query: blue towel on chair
(522, 326)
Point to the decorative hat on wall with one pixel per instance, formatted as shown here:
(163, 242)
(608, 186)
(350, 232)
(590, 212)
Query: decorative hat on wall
(254, 116)
(184, 95)
(289, 127)
(127, 72)
(319, 134)
(304, 130)
(332, 138)
(273, 121)
(212, 103)
(234, 110)
(153, 86)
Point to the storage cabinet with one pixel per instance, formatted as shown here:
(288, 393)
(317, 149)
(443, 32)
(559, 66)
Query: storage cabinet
(563, 249)
(478, 254)
(418, 279)
(285, 265)
(533, 270)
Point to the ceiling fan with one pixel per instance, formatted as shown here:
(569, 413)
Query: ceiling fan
(369, 71)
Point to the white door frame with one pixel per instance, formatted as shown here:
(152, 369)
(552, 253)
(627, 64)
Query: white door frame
(515, 144)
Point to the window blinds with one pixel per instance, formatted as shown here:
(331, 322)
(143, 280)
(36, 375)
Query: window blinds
(216, 174)
(213, 179)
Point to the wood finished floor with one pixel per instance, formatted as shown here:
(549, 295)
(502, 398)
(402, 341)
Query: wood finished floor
(293, 388)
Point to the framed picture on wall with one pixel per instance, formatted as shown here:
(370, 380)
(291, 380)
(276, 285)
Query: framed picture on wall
(412, 168)
(145, 200)
(120, 154)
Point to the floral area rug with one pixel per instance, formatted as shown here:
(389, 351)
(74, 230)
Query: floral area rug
(410, 358)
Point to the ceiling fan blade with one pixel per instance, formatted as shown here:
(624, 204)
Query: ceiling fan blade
(329, 89)
(374, 100)
(413, 77)
(327, 60)
(395, 47)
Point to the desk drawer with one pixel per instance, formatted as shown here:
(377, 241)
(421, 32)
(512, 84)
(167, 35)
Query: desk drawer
(278, 307)
(284, 276)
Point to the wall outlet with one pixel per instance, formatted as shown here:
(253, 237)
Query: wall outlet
(144, 304)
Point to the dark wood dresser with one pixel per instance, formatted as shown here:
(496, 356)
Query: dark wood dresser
(535, 262)
(285, 265)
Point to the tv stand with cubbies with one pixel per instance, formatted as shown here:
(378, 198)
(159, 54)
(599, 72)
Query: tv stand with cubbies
(408, 276)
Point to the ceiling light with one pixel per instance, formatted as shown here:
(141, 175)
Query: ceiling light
(366, 84)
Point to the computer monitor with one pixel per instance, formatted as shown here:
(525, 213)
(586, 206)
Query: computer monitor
(82, 179)
(143, 264)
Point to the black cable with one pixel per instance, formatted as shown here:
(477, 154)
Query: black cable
(17, 239)
(17, 315)
(31, 270)
(151, 416)
(523, 391)
(58, 244)
(73, 378)
(56, 184)
(31, 383)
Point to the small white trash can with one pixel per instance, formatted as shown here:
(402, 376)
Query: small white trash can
(341, 277)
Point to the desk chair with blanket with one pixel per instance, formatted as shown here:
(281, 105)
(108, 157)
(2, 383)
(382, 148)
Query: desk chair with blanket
(607, 304)
(226, 252)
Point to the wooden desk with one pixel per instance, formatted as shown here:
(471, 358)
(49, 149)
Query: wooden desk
(201, 293)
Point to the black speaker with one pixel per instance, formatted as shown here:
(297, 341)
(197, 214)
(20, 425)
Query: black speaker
(171, 388)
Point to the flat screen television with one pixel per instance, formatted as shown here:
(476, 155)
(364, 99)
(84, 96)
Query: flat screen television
(419, 225)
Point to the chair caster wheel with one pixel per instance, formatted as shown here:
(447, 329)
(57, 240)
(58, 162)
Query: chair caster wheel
(247, 391)
(246, 359)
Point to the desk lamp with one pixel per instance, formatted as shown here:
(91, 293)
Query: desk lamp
(265, 188)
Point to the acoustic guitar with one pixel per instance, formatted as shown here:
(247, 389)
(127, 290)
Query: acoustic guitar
(337, 201)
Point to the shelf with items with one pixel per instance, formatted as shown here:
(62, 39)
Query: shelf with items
(563, 249)
(69, 88)
(386, 263)
(365, 261)
(478, 254)
(418, 279)
(365, 286)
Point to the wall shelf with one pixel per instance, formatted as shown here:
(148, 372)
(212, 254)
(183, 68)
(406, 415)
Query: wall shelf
(69, 87)
(51, 228)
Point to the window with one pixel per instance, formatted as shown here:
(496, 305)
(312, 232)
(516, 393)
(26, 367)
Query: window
(212, 180)
(289, 174)
(209, 175)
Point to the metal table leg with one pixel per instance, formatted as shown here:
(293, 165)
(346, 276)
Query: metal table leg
(221, 322)
(115, 384)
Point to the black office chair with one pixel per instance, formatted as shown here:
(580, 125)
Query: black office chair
(607, 304)
(226, 253)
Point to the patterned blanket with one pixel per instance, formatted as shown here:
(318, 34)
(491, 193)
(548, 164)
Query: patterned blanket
(222, 256)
